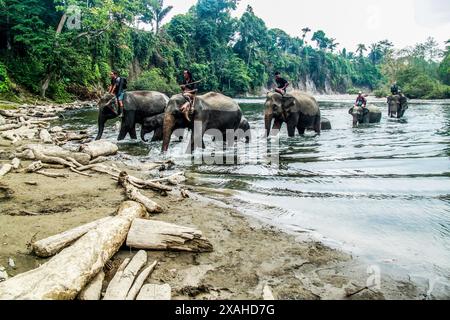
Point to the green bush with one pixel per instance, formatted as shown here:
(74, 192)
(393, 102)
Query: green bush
(153, 80)
(57, 91)
(381, 93)
(4, 79)
(419, 87)
(353, 90)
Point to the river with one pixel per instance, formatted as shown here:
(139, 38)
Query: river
(381, 192)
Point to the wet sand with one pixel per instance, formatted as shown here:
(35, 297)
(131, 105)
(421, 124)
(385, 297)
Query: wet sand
(247, 255)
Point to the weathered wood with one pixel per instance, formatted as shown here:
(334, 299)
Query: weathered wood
(52, 245)
(7, 127)
(45, 136)
(52, 174)
(99, 149)
(134, 194)
(5, 169)
(80, 173)
(157, 235)
(35, 166)
(16, 163)
(153, 292)
(139, 282)
(66, 274)
(93, 291)
(122, 282)
(58, 152)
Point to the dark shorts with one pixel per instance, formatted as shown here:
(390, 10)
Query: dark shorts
(120, 96)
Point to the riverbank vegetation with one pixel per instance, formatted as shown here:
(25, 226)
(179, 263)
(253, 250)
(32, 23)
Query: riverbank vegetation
(66, 49)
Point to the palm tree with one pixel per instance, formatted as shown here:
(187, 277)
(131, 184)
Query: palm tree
(305, 31)
(332, 45)
(158, 12)
(361, 49)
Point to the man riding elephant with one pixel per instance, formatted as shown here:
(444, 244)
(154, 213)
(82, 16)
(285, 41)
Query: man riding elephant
(209, 111)
(298, 110)
(138, 106)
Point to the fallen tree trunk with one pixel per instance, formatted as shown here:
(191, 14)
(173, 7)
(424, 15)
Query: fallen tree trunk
(99, 149)
(58, 152)
(154, 292)
(7, 127)
(122, 282)
(157, 235)
(66, 274)
(93, 291)
(134, 194)
(134, 291)
(52, 245)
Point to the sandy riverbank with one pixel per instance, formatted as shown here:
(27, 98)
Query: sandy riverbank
(247, 255)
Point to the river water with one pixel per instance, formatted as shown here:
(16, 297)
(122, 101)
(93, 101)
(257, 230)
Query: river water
(381, 192)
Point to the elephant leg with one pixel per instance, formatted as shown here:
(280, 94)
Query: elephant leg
(101, 126)
(130, 118)
(292, 124)
(123, 130)
(158, 135)
(318, 125)
(197, 137)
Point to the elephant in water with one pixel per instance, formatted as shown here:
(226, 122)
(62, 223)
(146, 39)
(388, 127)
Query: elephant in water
(212, 111)
(138, 105)
(153, 124)
(397, 105)
(298, 109)
(369, 114)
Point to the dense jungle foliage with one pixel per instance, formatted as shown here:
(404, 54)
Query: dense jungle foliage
(66, 49)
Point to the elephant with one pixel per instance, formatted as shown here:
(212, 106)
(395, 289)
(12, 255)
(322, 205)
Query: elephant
(212, 111)
(369, 114)
(298, 109)
(138, 105)
(325, 124)
(153, 124)
(397, 105)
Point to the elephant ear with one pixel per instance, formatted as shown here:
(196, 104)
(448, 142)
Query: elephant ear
(288, 102)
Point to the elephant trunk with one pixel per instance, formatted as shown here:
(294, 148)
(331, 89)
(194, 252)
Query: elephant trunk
(169, 125)
(268, 122)
(143, 133)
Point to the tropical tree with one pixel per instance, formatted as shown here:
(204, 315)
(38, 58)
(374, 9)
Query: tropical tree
(361, 49)
(155, 13)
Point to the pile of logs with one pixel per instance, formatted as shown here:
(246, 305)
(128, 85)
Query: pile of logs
(32, 123)
(79, 256)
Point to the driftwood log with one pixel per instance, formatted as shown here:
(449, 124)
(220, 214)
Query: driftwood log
(134, 194)
(122, 282)
(66, 274)
(157, 235)
(48, 247)
(152, 292)
(99, 149)
(139, 282)
(93, 291)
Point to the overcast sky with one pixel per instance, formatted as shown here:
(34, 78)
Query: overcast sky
(404, 22)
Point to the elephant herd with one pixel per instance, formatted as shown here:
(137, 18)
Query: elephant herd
(157, 113)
